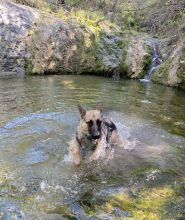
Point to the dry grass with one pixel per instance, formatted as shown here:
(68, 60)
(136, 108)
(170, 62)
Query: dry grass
(40, 4)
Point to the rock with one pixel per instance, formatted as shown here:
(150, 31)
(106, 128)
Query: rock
(137, 57)
(33, 42)
(13, 31)
(172, 71)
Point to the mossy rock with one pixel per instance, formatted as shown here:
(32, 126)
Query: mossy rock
(28, 67)
(146, 62)
(181, 71)
(161, 75)
(149, 204)
(121, 44)
(123, 65)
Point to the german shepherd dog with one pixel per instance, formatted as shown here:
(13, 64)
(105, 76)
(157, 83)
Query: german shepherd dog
(94, 134)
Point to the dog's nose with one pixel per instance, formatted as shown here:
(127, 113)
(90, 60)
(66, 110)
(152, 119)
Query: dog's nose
(96, 137)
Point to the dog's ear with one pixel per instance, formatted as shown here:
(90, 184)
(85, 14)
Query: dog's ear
(82, 111)
(99, 108)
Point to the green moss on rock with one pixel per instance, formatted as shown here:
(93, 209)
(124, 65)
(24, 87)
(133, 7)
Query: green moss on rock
(161, 75)
(28, 67)
(147, 59)
(121, 44)
(181, 71)
(149, 204)
(123, 65)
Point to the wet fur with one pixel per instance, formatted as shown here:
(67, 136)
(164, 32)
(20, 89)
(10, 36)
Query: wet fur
(94, 134)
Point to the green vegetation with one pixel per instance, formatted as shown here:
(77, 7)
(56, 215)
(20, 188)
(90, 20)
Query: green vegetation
(161, 74)
(124, 66)
(181, 72)
(147, 59)
(28, 67)
(128, 19)
(157, 17)
(150, 203)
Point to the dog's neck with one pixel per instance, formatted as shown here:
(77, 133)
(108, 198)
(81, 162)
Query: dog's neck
(84, 140)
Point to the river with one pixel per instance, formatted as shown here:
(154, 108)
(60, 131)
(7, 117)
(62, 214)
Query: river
(144, 180)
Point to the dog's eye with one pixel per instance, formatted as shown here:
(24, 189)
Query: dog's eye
(90, 123)
(98, 122)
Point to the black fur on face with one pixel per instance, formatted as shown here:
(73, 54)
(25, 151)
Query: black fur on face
(94, 128)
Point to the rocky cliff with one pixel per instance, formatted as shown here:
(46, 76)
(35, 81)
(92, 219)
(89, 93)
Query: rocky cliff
(33, 42)
(37, 42)
(172, 71)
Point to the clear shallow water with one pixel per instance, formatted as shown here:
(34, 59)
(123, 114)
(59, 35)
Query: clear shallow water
(38, 117)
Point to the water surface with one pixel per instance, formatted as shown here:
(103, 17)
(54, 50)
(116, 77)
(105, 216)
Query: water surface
(38, 117)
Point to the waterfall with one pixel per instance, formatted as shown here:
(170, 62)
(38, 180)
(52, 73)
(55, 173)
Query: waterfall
(156, 61)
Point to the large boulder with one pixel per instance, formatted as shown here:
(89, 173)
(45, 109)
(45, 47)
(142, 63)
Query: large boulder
(172, 71)
(33, 42)
(138, 56)
(58, 47)
(15, 22)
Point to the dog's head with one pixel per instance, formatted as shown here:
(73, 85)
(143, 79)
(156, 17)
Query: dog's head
(91, 122)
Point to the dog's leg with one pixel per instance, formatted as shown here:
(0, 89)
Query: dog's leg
(100, 147)
(99, 151)
(75, 149)
(114, 137)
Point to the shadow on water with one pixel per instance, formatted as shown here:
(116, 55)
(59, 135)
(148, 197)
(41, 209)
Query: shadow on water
(144, 180)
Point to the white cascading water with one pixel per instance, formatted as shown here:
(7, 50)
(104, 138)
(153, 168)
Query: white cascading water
(156, 61)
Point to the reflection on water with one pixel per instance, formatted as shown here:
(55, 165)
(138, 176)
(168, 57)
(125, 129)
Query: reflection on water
(38, 117)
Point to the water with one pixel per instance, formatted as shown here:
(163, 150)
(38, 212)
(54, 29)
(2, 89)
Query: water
(38, 117)
(156, 61)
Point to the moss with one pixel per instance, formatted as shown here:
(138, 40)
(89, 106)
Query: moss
(28, 67)
(122, 201)
(146, 62)
(123, 65)
(149, 204)
(181, 71)
(61, 13)
(89, 19)
(86, 58)
(121, 44)
(161, 75)
(182, 75)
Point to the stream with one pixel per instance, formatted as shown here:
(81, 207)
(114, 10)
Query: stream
(143, 180)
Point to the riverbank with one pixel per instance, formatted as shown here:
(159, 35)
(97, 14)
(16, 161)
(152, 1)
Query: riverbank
(39, 42)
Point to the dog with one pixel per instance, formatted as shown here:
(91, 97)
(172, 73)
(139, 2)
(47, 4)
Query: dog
(93, 136)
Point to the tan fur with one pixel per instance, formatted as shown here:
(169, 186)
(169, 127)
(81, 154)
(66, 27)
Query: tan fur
(81, 141)
(75, 152)
(114, 137)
